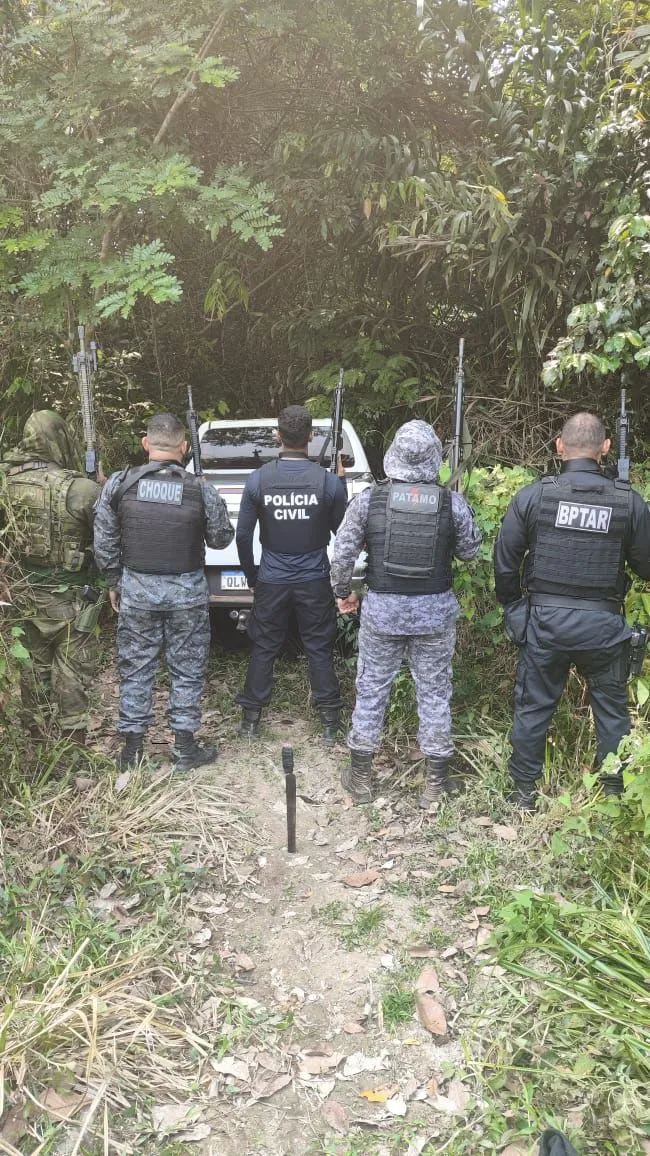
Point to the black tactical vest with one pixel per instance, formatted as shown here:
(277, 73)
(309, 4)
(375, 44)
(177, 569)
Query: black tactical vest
(294, 518)
(409, 538)
(161, 514)
(582, 527)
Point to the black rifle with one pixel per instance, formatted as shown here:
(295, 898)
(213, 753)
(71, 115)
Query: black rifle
(193, 426)
(335, 433)
(457, 447)
(290, 790)
(84, 364)
(623, 426)
(337, 423)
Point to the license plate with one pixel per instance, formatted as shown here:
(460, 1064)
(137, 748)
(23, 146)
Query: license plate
(233, 580)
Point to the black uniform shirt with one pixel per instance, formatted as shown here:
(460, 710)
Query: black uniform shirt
(555, 625)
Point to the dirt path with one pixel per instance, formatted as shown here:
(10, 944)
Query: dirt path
(334, 958)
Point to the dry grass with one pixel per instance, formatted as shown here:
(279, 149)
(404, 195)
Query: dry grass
(104, 1007)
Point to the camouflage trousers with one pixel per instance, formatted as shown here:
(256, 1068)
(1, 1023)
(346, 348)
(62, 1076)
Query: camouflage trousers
(142, 635)
(64, 658)
(429, 658)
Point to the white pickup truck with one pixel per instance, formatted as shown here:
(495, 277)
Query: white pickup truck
(230, 451)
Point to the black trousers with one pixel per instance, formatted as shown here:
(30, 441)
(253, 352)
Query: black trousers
(313, 606)
(541, 676)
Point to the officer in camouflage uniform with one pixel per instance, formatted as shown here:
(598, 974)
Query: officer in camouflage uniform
(560, 573)
(51, 509)
(412, 528)
(151, 526)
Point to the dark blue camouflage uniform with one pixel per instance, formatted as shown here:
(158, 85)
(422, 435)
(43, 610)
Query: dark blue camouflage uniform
(420, 626)
(160, 611)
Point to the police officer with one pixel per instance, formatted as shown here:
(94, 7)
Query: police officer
(573, 533)
(151, 526)
(51, 508)
(298, 505)
(412, 527)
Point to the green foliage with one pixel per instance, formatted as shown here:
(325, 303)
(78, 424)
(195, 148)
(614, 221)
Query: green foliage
(612, 331)
(110, 183)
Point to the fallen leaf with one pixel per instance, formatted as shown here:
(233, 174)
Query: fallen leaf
(507, 833)
(361, 880)
(431, 1088)
(351, 1028)
(396, 1106)
(422, 951)
(232, 1067)
(122, 781)
(358, 1062)
(480, 910)
(448, 952)
(380, 1096)
(201, 938)
(62, 1107)
(266, 1084)
(431, 1014)
(244, 963)
(168, 1118)
(349, 845)
(318, 1065)
(428, 981)
(458, 1094)
(336, 1116)
(131, 902)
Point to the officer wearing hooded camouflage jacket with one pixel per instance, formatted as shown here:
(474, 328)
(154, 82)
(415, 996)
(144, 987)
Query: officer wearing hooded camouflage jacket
(51, 511)
(412, 528)
(151, 526)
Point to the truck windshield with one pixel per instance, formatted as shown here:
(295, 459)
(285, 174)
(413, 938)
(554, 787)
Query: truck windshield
(247, 447)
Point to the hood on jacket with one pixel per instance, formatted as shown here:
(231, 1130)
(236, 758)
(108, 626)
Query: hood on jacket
(415, 454)
(46, 438)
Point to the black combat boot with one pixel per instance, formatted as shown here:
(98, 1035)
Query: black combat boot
(524, 797)
(436, 782)
(249, 727)
(188, 754)
(131, 752)
(331, 720)
(356, 777)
